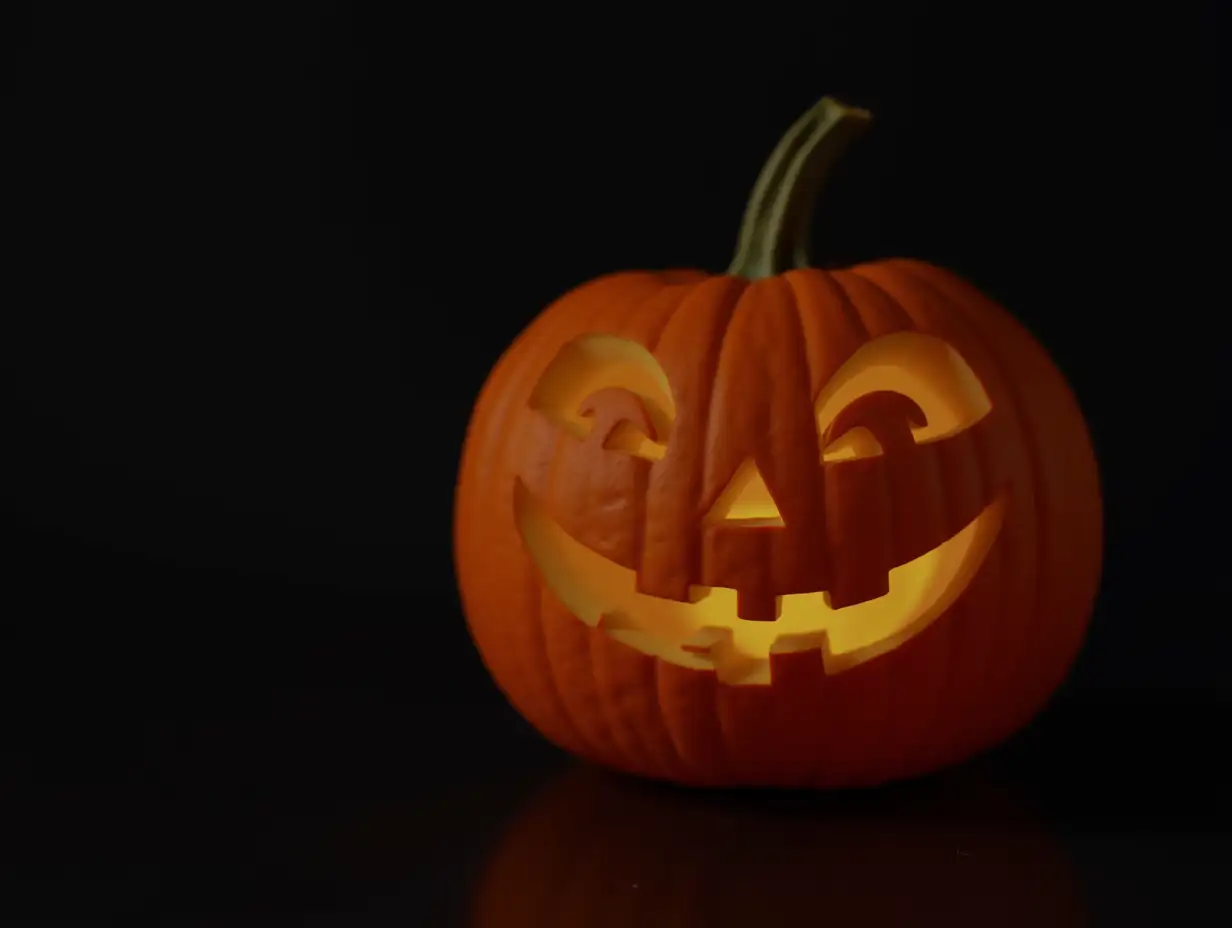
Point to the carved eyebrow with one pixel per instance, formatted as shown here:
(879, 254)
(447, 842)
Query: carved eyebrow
(591, 363)
(922, 367)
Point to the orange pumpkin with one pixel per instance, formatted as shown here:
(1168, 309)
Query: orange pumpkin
(598, 851)
(781, 526)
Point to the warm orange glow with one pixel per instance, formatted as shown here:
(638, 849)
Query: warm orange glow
(746, 500)
(921, 367)
(707, 634)
(588, 364)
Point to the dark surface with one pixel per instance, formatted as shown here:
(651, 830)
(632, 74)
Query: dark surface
(162, 757)
(259, 264)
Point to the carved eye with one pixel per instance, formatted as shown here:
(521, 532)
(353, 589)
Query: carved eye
(899, 388)
(621, 422)
(857, 442)
(871, 425)
(608, 390)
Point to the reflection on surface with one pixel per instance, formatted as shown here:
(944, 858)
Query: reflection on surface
(595, 850)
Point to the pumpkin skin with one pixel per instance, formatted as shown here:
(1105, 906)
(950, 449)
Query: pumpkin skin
(700, 381)
(600, 851)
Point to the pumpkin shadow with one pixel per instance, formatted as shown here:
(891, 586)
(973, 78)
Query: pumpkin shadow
(596, 849)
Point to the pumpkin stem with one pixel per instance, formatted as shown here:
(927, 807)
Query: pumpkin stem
(774, 235)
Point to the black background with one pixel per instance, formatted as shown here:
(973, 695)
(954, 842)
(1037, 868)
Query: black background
(260, 261)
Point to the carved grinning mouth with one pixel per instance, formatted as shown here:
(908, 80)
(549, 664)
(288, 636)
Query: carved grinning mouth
(706, 633)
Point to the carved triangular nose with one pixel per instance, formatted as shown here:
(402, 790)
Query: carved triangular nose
(746, 500)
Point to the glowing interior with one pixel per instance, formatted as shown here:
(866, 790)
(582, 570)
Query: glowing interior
(592, 362)
(746, 500)
(922, 367)
(707, 634)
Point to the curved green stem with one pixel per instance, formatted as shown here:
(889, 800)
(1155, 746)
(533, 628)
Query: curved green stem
(774, 235)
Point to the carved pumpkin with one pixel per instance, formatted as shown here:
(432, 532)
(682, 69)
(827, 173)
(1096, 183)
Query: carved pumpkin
(782, 526)
(602, 852)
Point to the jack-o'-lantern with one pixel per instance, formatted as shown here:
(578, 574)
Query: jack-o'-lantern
(781, 526)
(601, 851)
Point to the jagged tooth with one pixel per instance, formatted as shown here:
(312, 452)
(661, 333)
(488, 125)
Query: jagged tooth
(704, 640)
(793, 642)
(757, 607)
